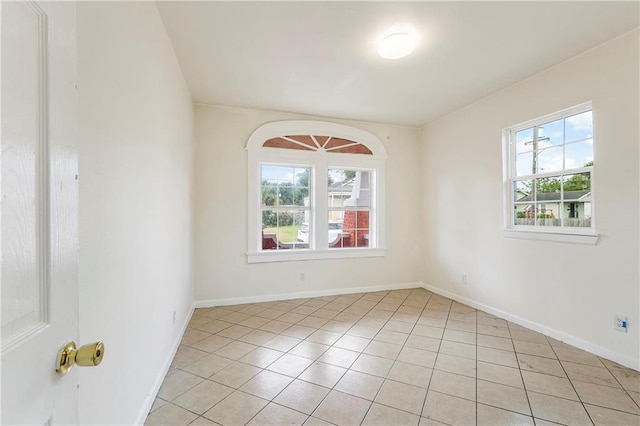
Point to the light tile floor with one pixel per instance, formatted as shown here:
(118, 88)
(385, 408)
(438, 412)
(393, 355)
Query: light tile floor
(403, 357)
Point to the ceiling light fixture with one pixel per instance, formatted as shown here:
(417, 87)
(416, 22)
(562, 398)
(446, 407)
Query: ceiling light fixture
(396, 46)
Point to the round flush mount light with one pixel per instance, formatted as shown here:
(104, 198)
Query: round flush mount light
(396, 45)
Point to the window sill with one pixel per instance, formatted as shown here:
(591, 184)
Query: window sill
(288, 256)
(589, 239)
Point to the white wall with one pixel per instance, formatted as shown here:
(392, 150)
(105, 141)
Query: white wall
(221, 269)
(573, 290)
(135, 204)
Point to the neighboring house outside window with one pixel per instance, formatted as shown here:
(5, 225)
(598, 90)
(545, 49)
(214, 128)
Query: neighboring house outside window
(316, 191)
(549, 174)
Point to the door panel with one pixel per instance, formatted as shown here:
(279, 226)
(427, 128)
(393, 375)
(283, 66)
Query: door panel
(39, 210)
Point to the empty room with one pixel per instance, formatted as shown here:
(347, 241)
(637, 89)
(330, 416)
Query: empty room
(320, 213)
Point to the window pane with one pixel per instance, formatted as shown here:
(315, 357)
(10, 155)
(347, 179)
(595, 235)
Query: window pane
(579, 154)
(549, 159)
(352, 231)
(579, 127)
(548, 189)
(269, 196)
(281, 230)
(523, 215)
(524, 140)
(349, 188)
(547, 213)
(522, 191)
(577, 213)
(277, 174)
(551, 134)
(524, 164)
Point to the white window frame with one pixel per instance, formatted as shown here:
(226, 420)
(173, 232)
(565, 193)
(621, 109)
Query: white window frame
(580, 235)
(320, 162)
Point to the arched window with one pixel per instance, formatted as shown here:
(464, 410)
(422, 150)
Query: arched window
(316, 191)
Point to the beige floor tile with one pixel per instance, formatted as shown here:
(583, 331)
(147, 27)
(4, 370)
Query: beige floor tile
(432, 322)
(495, 342)
(501, 396)
(558, 410)
(531, 348)
(590, 374)
(213, 326)
(459, 336)
(428, 331)
(261, 357)
(371, 364)
(526, 335)
(539, 364)
(304, 310)
(235, 374)
(290, 365)
(299, 331)
(340, 357)
(399, 326)
(236, 409)
(186, 355)
(324, 337)
(208, 365)
(429, 422)
(270, 313)
(177, 383)
(410, 374)
(452, 324)
(235, 350)
(453, 384)
(417, 357)
(212, 344)
(170, 415)
(302, 396)
(324, 313)
(382, 349)
(266, 384)
(358, 384)
(191, 336)
(569, 353)
(342, 409)
(457, 365)
(202, 421)
(282, 343)
(257, 337)
(607, 417)
(277, 415)
(309, 350)
(389, 336)
(422, 342)
(449, 409)
(500, 374)
(254, 322)
(363, 331)
(235, 331)
(314, 421)
(605, 396)
(628, 378)
(157, 403)
(492, 416)
(352, 343)
(401, 396)
(492, 330)
(235, 317)
(549, 385)
(380, 415)
(497, 356)
(202, 396)
(292, 318)
(635, 396)
(276, 326)
(458, 349)
(323, 374)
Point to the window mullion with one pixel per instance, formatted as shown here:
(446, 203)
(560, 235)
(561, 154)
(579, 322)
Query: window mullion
(320, 213)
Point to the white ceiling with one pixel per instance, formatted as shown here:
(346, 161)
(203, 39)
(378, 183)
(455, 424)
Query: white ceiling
(320, 58)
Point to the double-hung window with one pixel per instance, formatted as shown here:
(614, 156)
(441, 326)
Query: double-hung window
(549, 174)
(316, 191)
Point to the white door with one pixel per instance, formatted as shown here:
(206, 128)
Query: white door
(39, 212)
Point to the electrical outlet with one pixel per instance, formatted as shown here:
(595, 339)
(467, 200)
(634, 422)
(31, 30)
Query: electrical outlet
(620, 323)
(301, 276)
(174, 317)
(463, 279)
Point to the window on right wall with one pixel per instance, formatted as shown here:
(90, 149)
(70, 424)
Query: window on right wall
(549, 173)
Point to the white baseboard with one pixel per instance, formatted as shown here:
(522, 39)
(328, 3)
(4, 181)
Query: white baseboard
(302, 294)
(593, 348)
(144, 411)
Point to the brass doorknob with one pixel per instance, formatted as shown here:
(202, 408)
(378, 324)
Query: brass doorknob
(87, 356)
